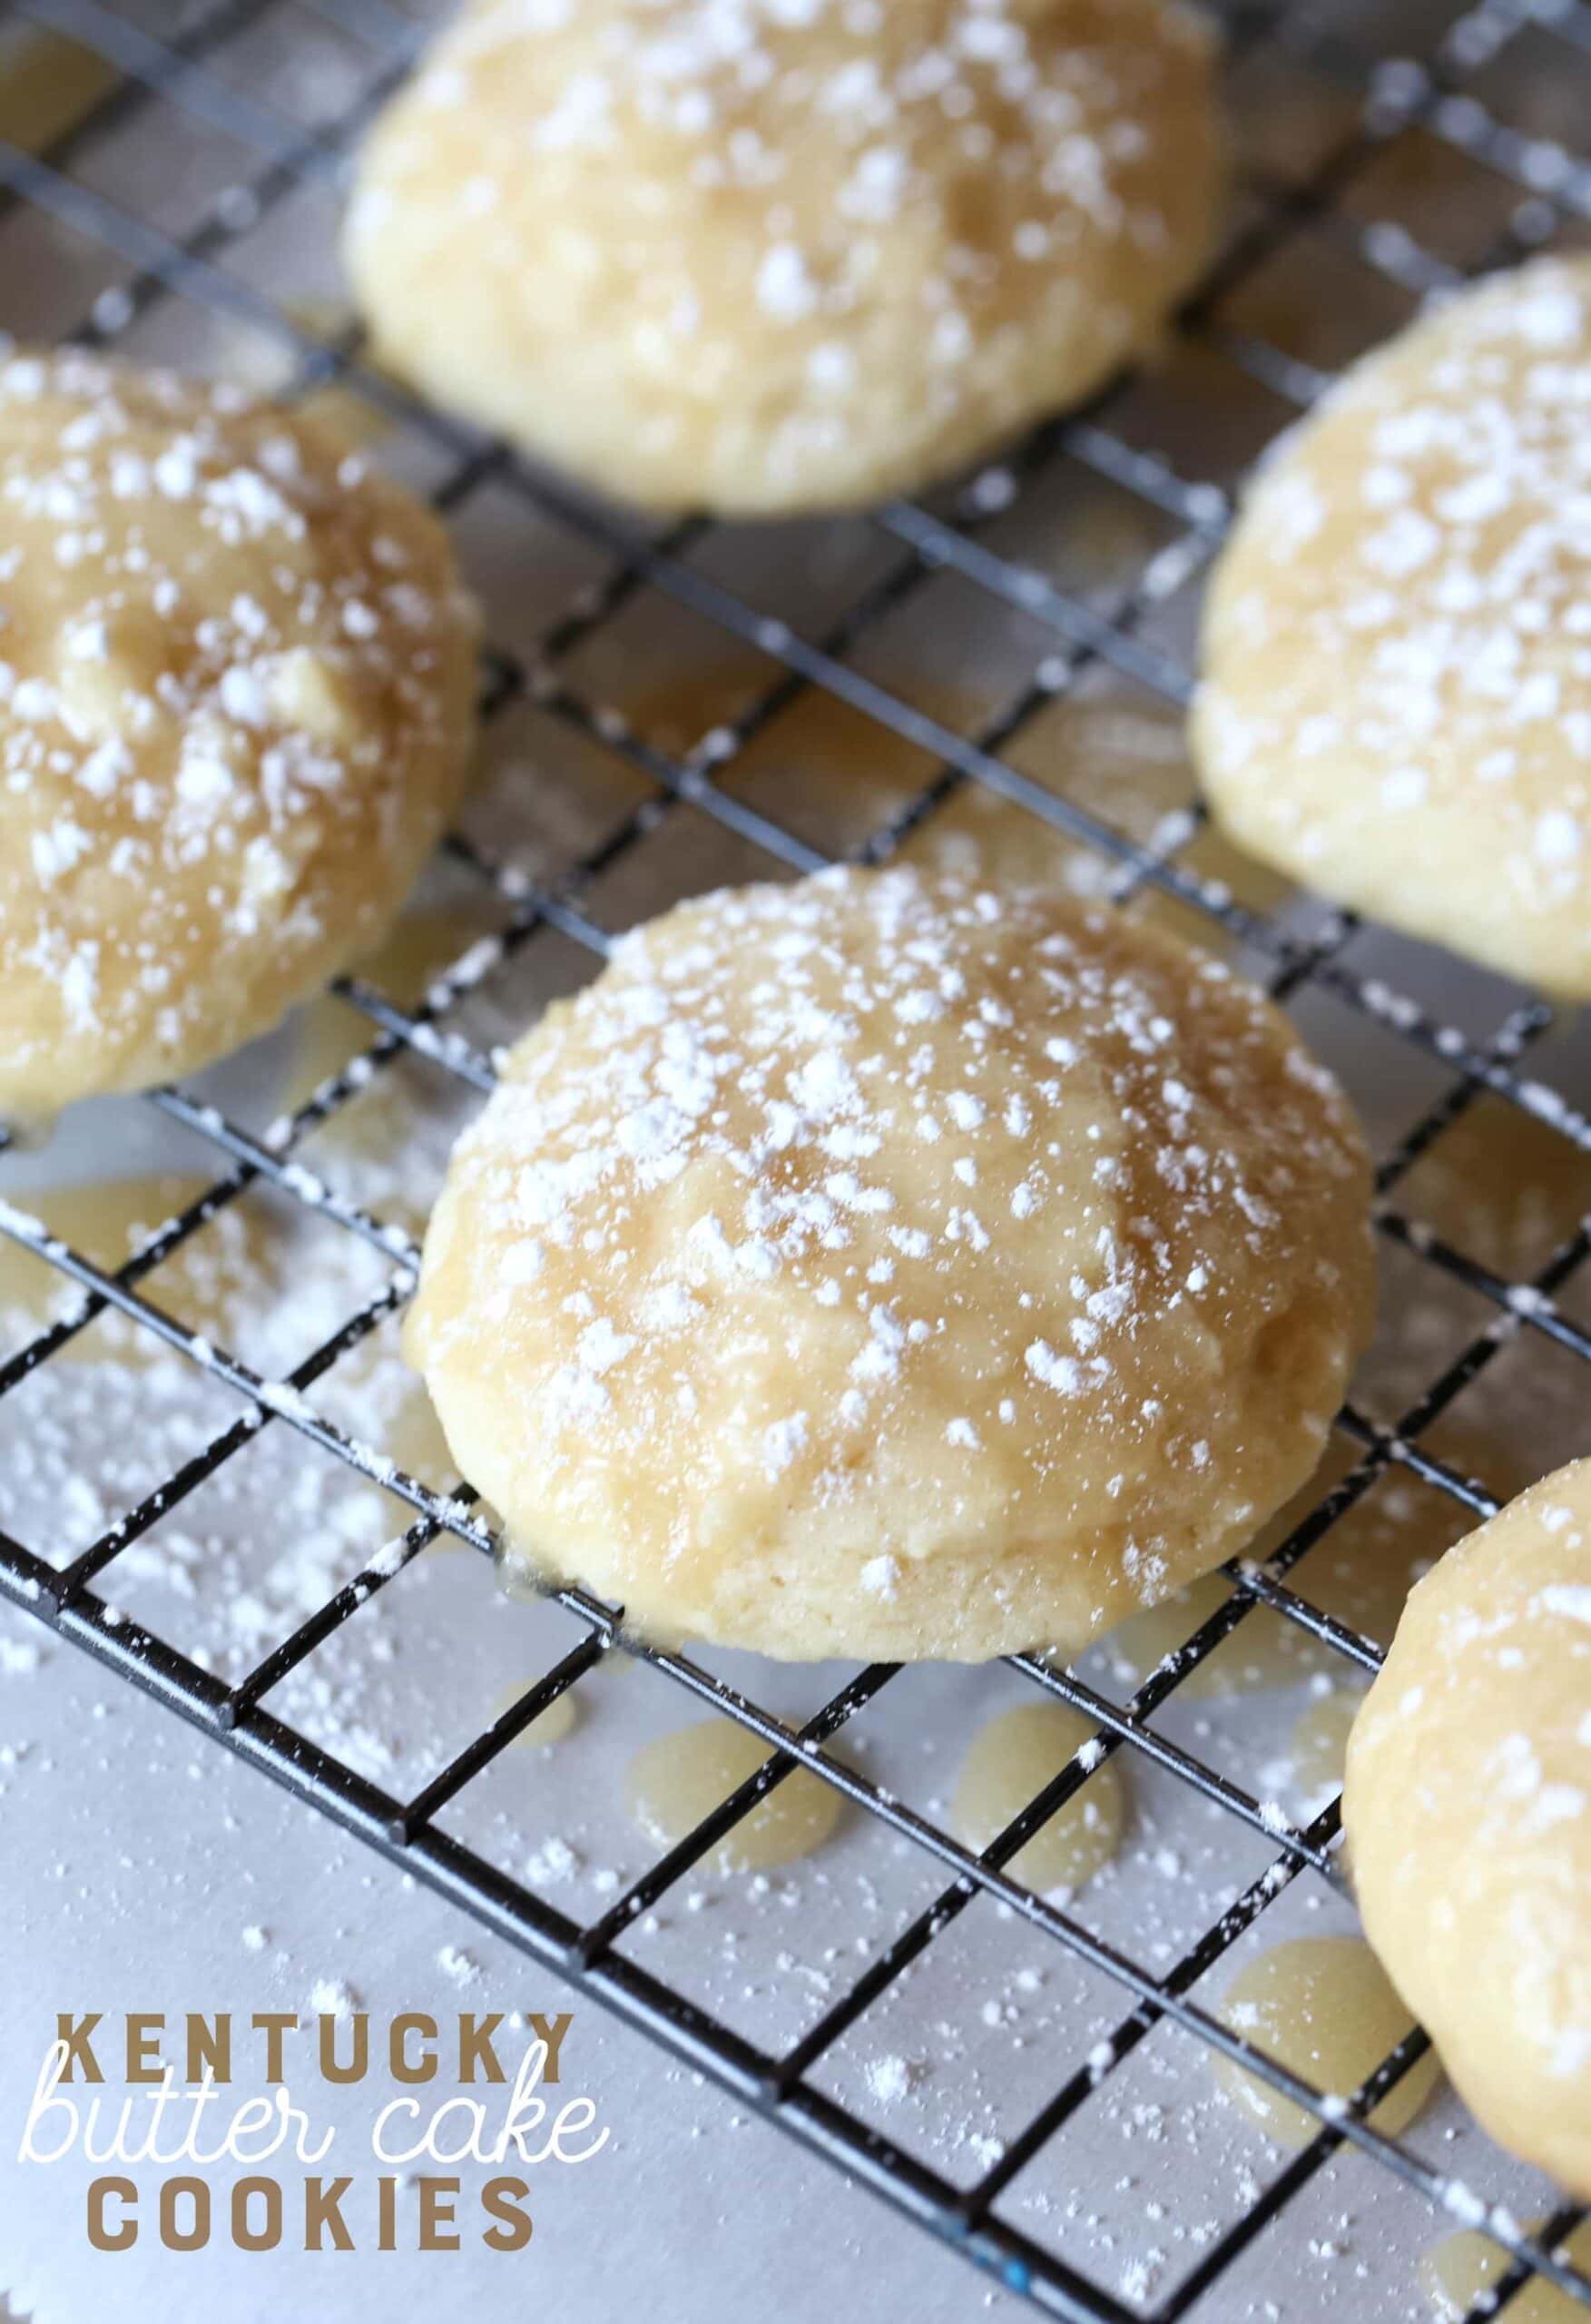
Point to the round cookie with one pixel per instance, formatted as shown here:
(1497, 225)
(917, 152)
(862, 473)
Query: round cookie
(1396, 705)
(768, 257)
(1468, 1809)
(236, 704)
(875, 1267)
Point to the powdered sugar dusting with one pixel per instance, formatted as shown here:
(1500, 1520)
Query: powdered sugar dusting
(798, 225)
(756, 1184)
(1400, 643)
(228, 658)
(1468, 1808)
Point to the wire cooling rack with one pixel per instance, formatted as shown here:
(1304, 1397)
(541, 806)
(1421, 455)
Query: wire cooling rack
(1334, 102)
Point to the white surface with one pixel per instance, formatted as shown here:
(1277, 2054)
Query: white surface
(136, 1855)
(133, 1854)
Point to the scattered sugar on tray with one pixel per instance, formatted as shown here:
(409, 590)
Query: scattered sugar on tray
(553, 1863)
(891, 2078)
(95, 1433)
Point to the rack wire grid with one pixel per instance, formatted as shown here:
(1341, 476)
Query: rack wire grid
(1390, 150)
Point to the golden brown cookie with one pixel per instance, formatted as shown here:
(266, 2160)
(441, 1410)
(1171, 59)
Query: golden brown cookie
(236, 678)
(773, 258)
(876, 1266)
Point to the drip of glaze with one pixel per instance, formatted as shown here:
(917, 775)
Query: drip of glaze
(561, 1717)
(1361, 1573)
(47, 85)
(674, 1782)
(1455, 2272)
(1319, 1742)
(1009, 1762)
(1323, 2006)
(211, 1279)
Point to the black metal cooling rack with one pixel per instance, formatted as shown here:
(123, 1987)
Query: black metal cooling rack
(1394, 71)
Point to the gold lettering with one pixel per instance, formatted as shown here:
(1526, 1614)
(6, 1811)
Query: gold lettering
(551, 2030)
(273, 2024)
(360, 2052)
(143, 2049)
(437, 2232)
(323, 2211)
(75, 2032)
(111, 2238)
(475, 2046)
(210, 2046)
(401, 2066)
(502, 2198)
(257, 2239)
(193, 2237)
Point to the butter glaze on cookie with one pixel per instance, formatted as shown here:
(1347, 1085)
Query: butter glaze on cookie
(876, 1266)
(236, 682)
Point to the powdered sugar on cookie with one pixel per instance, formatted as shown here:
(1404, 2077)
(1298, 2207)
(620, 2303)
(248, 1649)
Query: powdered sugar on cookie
(234, 682)
(921, 1216)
